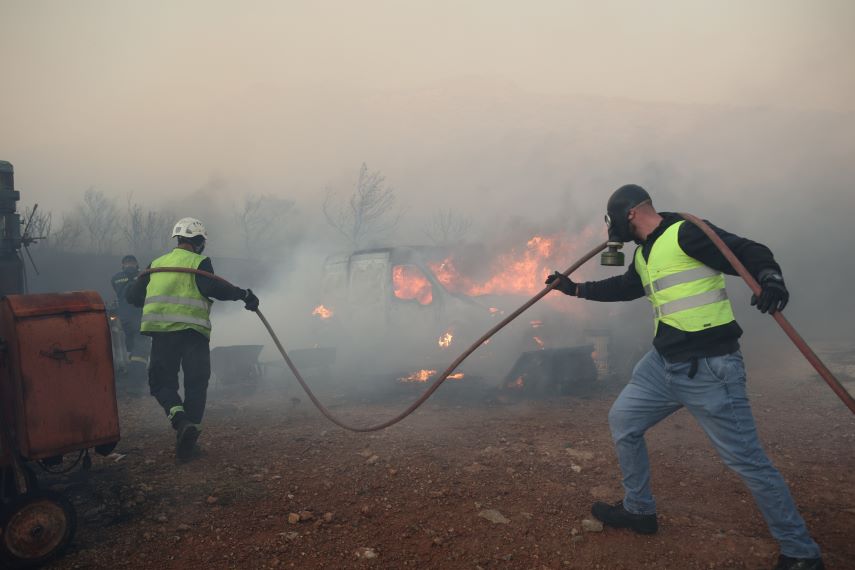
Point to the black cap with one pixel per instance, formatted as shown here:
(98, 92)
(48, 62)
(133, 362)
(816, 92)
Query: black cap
(620, 203)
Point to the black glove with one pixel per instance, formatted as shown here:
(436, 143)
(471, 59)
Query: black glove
(250, 300)
(565, 284)
(773, 294)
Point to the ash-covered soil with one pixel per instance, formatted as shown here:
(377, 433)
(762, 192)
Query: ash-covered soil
(500, 484)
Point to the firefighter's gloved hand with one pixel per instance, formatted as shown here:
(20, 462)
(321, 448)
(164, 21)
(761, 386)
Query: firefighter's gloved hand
(773, 293)
(250, 300)
(565, 284)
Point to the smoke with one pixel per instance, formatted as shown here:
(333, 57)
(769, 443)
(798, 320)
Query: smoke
(529, 140)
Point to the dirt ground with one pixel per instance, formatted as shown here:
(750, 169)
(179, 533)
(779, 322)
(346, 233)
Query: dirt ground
(416, 495)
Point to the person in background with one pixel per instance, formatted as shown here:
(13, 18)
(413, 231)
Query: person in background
(130, 317)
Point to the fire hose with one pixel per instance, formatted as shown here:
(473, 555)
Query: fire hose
(788, 328)
(779, 317)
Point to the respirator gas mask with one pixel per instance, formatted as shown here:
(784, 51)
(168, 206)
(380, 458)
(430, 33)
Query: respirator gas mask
(620, 203)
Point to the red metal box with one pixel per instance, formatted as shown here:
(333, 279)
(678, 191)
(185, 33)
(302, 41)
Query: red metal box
(56, 373)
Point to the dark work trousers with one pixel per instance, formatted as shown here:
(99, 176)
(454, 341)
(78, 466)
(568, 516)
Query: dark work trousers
(131, 328)
(189, 350)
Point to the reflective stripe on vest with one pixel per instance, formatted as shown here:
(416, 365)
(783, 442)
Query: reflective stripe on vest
(165, 318)
(692, 302)
(681, 277)
(177, 301)
(173, 301)
(685, 293)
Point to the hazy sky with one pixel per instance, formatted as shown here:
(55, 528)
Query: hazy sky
(791, 53)
(157, 97)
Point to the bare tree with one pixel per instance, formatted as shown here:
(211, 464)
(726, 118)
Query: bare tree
(145, 231)
(268, 220)
(99, 217)
(368, 213)
(69, 235)
(447, 227)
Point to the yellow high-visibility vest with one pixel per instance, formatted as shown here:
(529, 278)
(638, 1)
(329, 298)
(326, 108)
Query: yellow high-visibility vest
(172, 300)
(685, 293)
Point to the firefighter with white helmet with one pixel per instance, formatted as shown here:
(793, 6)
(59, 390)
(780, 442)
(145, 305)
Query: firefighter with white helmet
(189, 228)
(176, 315)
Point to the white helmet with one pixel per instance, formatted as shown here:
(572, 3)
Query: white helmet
(188, 228)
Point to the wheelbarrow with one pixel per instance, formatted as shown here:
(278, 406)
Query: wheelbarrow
(237, 366)
(552, 371)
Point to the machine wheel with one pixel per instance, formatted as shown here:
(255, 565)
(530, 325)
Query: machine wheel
(35, 528)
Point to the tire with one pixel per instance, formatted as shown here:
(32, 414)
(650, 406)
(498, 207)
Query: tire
(36, 527)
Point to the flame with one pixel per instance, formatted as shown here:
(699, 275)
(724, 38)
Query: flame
(536, 324)
(495, 311)
(422, 375)
(445, 339)
(516, 272)
(322, 312)
(517, 384)
(539, 342)
(408, 282)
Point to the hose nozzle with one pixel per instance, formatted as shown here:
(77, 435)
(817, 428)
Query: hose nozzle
(612, 256)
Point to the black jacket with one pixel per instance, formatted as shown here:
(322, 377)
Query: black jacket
(211, 288)
(673, 344)
(126, 311)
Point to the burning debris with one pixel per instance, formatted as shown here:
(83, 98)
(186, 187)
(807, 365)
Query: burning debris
(445, 339)
(322, 312)
(424, 375)
(550, 371)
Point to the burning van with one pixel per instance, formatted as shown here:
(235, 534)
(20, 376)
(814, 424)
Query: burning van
(389, 297)
(409, 311)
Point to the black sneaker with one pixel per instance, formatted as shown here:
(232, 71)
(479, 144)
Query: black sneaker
(618, 517)
(787, 563)
(185, 440)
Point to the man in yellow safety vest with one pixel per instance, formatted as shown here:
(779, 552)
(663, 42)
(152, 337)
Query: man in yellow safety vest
(695, 363)
(176, 315)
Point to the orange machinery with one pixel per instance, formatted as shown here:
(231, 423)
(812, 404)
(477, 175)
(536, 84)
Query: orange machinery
(57, 396)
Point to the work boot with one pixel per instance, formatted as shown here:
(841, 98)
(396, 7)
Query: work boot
(618, 517)
(185, 440)
(787, 563)
(177, 417)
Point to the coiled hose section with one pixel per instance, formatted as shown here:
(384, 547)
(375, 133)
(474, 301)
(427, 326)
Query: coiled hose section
(823, 371)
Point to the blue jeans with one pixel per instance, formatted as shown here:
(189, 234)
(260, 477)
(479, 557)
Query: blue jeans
(716, 397)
